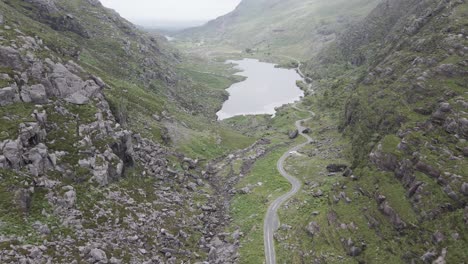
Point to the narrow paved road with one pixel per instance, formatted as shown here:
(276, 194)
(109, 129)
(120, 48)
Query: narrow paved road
(272, 222)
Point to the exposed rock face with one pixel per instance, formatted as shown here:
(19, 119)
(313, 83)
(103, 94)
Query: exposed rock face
(52, 15)
(12, 151)
(385, 161)
(69, 86)
(105, 167)
(10, 57)
(34, 94)
(8, 96)
(56, 80)
(45, 5)
(70, 197)
(38, 160)
(388, 211)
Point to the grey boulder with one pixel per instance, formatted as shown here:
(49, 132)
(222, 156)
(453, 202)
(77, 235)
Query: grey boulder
(64, 82)
(67, 85)
(10, 58)
(34, 94)
(70, 198)
(98, 255)
(8, 96)
(39, 160)
(12, 152)
(77, 98)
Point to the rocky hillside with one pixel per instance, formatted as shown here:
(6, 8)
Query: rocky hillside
(398, 79)
(88, 171)
(293, 27)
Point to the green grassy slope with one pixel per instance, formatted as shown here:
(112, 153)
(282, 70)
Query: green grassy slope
(145, 76)
(391, 100)
(293, 27)
(394, 86)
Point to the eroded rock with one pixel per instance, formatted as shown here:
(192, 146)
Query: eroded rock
(34, 94)
(12, 152)
(8, 96)
(385, 161)
(10, 58)
(38, 159)
(390, 213)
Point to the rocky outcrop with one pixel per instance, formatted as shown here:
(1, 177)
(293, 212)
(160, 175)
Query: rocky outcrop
(12, 151)
(105, 168)
(51, 14)
(47, 6)
(390, 213)
(34, 94)
(65, 84)
(38, 160)
(41, 80)
(384, 161)
(8, 96)
(27, 151)
(10, 58)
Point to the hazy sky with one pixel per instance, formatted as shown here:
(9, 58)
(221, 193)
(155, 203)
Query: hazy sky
(171, 10)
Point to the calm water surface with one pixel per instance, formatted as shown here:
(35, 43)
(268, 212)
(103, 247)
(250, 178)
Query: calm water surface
(265, 88)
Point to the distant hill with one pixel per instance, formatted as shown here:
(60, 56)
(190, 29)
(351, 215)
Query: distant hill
(169, 26)
(293, 27)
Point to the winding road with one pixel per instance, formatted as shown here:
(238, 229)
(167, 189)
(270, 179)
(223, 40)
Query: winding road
(272, 223)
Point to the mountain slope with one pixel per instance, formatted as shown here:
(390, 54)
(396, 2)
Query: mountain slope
(398, 82)
(292, 27)
(90, 167)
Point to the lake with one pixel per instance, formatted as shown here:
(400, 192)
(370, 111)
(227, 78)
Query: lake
(265, 88)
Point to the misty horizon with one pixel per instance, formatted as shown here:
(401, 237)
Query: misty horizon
(168, 24)
(176, 14)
